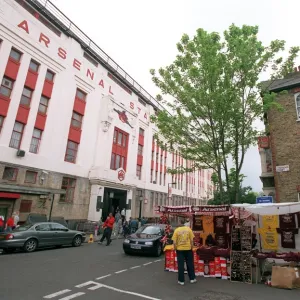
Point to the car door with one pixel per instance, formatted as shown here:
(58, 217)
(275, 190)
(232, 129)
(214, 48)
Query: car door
(44, 234)
(61, 233)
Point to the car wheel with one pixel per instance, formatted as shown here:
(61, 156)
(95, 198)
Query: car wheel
(126, 252)
(58, 246)
(158, 250)
(30, 245)
(77, 241)
(9, 250)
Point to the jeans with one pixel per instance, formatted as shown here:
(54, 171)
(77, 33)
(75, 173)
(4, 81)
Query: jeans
(185, 255)
(106, 234)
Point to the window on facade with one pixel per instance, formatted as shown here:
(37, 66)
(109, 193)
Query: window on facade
(139, 171)
(16, 137)
(26, 97)
(161, 159)
(15, 55)
(157, 157)
(68, 184)
(50, 76)
(35, 140)
(141, 131)
(43, 106)
(76, 120)
(140, 150)
(34, 66)
(156, 176)
(152, 155)
(160, 178)
(1, 122)
(151, 176)
(25, 206)
(6, 87)
(30, 177)
(298, 106)
(119, 150)
(164, 179)
(71, 152)
(80, 94)
(10, 174)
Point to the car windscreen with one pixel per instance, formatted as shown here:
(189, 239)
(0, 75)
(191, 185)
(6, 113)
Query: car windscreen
(23, 227)
(152, 230)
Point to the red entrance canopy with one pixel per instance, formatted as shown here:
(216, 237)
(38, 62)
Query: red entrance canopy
(9, 195)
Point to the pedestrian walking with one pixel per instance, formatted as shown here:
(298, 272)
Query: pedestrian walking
(9, 224)
(1, 224)
(16, 219)
(183, 244)
(120, 227)
(108, 227)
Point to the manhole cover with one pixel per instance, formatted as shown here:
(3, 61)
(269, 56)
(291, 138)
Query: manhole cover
(217, 296)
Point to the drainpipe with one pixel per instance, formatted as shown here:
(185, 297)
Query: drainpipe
(51, 208)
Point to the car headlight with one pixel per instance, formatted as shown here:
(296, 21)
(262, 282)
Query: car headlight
(148, 243)
(126, 241)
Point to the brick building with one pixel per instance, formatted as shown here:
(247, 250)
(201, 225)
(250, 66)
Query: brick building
(279, 150)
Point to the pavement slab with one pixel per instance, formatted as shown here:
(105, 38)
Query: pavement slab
(95, 271)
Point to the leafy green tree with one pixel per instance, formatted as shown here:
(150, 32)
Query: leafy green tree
(213, 98)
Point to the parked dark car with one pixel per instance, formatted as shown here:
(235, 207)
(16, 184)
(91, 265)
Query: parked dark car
(146, 240)
(29, 237)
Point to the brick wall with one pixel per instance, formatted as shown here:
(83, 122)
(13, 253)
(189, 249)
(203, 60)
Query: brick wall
(285, 134)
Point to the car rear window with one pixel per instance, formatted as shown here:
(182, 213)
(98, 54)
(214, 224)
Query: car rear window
(23, 227)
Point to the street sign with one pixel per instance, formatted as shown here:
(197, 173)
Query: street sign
(264, 199)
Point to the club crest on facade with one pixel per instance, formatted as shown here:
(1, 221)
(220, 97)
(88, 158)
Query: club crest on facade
(123, 117)
(121, 174)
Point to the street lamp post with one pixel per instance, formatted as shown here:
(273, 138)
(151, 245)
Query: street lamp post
(170, 194)
(140, 210)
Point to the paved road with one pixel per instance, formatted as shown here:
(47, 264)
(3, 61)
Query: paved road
(95, 272)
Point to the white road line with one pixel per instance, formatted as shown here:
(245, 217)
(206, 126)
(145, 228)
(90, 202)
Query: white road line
(95, 286)
(149, 263)
(129, 293)
(118, 272)
(102, 277)
(135, 267)
(72, 296)
(56, 294)
(157, 260)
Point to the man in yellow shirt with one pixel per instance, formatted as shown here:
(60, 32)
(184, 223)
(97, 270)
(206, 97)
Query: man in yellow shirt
(183, 244)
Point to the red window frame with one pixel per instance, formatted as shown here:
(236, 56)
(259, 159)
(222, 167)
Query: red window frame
(35, 140)
(119, 149)
(34, 176)
(16, 143)
(1, 122)
(81, 95)
(5, 87)
(76, 120)
(15, 173)
(68, 184)
(139, 172)
(11, 55)
(25, 206)
(50, 76)
(71, 152)
(43, 106)
(25, 99)
(34, 63)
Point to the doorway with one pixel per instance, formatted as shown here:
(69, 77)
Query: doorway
(3, 212)
(113, 199)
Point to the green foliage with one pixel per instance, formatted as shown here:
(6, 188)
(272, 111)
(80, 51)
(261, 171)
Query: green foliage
(214, 97)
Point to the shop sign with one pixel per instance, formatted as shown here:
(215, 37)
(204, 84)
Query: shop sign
(263, 142)
(211, 209)
(168, 209)
(284, 168)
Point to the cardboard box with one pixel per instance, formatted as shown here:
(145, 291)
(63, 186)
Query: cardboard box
(285, 277)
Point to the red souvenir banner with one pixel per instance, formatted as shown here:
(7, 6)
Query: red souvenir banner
(211, 210)
(173, 209)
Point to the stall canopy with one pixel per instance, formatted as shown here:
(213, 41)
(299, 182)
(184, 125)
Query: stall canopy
(270, 208)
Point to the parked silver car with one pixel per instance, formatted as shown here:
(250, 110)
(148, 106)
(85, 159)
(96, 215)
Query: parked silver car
(44, 234)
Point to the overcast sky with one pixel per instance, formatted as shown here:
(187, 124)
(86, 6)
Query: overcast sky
(142, 34)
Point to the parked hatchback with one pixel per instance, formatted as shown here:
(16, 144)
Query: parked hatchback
(44, 234)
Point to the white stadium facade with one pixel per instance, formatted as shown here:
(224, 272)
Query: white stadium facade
(75, 130)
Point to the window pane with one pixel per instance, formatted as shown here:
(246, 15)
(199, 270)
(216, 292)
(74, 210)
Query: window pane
(81, 95)
(112, 161)
(118, 159)
(15, 55)
(115, 136)
(10, 173)
(30, 177)
(18, 127)
(44, 100)
(124, 140)
(33, 66)
(5, 91)
(34, 145)
(120, 135)
(49, 75)
(27, 92)
(122, 162)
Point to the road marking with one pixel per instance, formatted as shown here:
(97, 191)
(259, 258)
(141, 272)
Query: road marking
(157, 260)
(57, 294)
(135, 267)
(95, 286)
(102, 277)
(129, 293)
(118, 272)
(149, 263)
(72, 296)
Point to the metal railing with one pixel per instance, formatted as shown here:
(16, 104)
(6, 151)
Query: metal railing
(56, 16)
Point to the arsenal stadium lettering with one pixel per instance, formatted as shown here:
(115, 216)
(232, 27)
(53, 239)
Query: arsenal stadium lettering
(210, 209)
(62, 54)
(174, 209)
